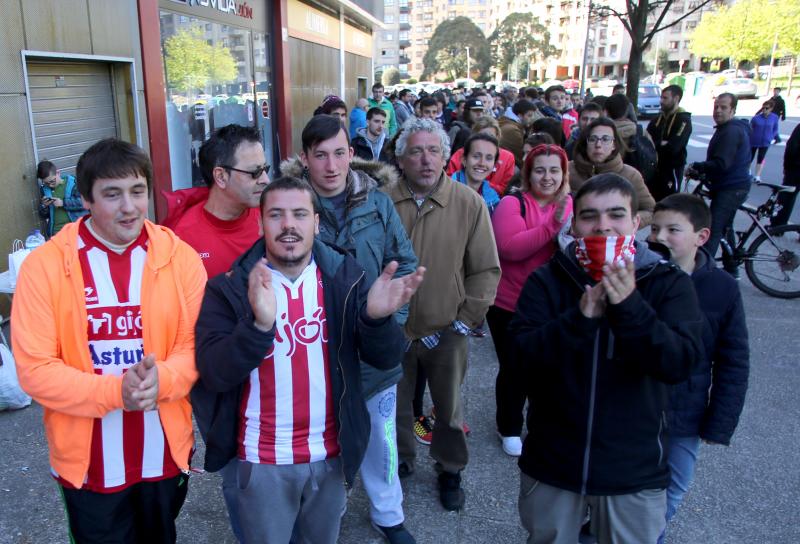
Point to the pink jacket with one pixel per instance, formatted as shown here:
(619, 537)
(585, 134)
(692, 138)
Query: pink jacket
(523, 244)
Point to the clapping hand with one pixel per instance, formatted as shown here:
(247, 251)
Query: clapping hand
(140, 385)
(619, 280)
(388, 295)
(262, 296)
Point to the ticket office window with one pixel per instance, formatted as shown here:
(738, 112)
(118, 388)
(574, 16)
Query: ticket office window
(215, 75)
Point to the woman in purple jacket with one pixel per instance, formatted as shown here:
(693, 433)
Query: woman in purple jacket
(764, 125)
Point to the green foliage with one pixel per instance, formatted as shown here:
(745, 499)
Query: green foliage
(411, 81)
(447, 49)
(390, 76)
(747, 30)
(520, 39)
(192, 64)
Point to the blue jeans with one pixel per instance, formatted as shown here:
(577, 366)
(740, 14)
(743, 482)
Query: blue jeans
(723, 210)
(681, 458)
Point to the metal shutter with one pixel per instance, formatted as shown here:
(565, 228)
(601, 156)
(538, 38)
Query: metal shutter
(72, 104)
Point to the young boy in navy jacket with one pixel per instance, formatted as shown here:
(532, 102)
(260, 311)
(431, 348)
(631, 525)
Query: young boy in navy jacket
(708, 405)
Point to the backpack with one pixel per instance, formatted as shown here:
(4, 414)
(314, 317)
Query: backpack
(642, 155)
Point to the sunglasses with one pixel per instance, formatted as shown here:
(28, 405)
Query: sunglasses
(255, 174)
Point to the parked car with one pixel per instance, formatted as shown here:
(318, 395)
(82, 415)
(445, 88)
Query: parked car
(649, 101)
(739, 87)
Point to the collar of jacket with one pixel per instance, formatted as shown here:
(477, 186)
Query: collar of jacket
(441, 193)
(588, 169)
(163, 244)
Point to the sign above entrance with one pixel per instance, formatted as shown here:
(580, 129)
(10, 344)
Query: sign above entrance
(242, 9)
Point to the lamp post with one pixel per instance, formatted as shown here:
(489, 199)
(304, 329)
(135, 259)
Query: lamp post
(467, 62)
(585, 50)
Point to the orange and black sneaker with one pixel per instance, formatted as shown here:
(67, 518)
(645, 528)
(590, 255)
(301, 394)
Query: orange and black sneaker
(423, 429)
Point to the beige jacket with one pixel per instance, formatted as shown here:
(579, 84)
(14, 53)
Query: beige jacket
(453, 239)
(581, 169)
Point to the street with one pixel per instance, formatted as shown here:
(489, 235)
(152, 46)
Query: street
(746, 493)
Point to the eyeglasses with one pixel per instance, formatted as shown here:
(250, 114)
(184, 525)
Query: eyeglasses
(604, 139)
(255, 174)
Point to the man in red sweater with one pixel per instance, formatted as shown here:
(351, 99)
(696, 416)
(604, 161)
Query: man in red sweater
(221, 222)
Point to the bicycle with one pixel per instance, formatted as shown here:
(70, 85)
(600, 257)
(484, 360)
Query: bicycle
(772, 260)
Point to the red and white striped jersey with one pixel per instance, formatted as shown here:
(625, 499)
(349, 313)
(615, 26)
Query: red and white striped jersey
(127, 447)
(286, 415)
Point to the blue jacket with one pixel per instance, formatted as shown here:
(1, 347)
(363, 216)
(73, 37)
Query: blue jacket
(229, 347)
(358, 119)
(374, 235)
(727, 164)
(710, 402)
(765, 130)
(490, 196)
(72, 203)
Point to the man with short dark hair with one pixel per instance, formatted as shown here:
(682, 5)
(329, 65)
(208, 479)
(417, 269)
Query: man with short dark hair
(557, 106)
(603, 329)
(450, 230)
(279, 340)
(429, 107)
(589, 113)
(727, 172)
(403, 108)
(514, 127)
(103, 336)
(378, 100)
(670, 132)
(630, 112)
(370, 141)
(221, 221)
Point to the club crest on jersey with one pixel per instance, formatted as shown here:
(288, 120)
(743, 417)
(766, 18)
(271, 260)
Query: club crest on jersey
(304, 331)
(88, 292)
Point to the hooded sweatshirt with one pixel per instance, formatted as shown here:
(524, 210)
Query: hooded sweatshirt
(51, 344)
(367, 149)
(727, 164)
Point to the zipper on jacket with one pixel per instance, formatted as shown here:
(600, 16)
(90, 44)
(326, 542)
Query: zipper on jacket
(590, 416)
(658, 438)
(341, 369)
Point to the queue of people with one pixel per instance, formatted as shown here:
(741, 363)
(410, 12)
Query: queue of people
(300, 314)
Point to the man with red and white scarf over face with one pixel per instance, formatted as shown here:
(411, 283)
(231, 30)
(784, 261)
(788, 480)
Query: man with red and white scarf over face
(602, 334)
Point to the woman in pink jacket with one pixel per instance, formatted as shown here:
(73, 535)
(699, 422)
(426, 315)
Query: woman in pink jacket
(526, 224)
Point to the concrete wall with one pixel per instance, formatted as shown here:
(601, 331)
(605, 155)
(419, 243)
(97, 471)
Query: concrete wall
(87, 27)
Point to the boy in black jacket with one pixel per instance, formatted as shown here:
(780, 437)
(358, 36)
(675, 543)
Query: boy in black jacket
(708, 405)
(599, 355)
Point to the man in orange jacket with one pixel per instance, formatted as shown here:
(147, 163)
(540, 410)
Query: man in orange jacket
(104, 318)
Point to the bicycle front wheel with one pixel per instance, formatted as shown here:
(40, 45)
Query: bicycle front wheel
(774, 265)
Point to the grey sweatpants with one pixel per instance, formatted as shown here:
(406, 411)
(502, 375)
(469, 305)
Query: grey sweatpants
(554, 516)
(273, 499)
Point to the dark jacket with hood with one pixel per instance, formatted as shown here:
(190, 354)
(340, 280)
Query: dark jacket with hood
(374, 235)
(727, 164)
(674, 130)
(364, 149)
(708, 405)
(229, 347)
(598, 387)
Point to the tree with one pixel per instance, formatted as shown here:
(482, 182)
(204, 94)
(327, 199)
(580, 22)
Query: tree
(390, 76)
(447, 49)
(191, 63)
(634, 19)
(748, 29)
(520, 38)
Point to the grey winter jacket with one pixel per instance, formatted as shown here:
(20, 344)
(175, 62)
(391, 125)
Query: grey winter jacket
(373, 234)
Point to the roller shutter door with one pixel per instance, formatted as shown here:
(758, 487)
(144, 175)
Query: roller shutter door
(72, 104)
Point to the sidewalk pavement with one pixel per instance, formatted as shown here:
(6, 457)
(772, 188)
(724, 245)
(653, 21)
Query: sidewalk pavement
(748, 493)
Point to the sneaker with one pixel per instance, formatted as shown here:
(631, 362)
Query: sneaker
(396, 534)
(512, 445)
(423, 429)
(405, 469)
(756, 178)
(450, 493)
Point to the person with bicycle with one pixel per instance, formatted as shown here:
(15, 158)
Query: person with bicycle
(708, 405)
(726, 171)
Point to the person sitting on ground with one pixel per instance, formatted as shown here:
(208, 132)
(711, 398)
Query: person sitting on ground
(61, 200)
(480, 156)
(707, 406)
(370, 143)
(514, 126)
(526, 224)
(598, 151)
(503, 170)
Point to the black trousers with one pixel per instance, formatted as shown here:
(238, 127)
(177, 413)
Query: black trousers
(510, 386)
(143, 513)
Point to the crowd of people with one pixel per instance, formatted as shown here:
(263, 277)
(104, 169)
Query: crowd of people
(300, 317)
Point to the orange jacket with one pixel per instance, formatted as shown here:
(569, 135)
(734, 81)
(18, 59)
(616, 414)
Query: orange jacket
(51, 344)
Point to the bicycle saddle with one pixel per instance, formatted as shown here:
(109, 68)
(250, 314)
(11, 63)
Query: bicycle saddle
(777, 188)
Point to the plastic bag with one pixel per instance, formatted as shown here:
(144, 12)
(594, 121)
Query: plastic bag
(12, 397)
(15, 258)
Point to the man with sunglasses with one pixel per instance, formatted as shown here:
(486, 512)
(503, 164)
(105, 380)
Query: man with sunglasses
(220, 223)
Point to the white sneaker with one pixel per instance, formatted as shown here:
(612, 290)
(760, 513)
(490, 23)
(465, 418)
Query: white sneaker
(512, 445)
